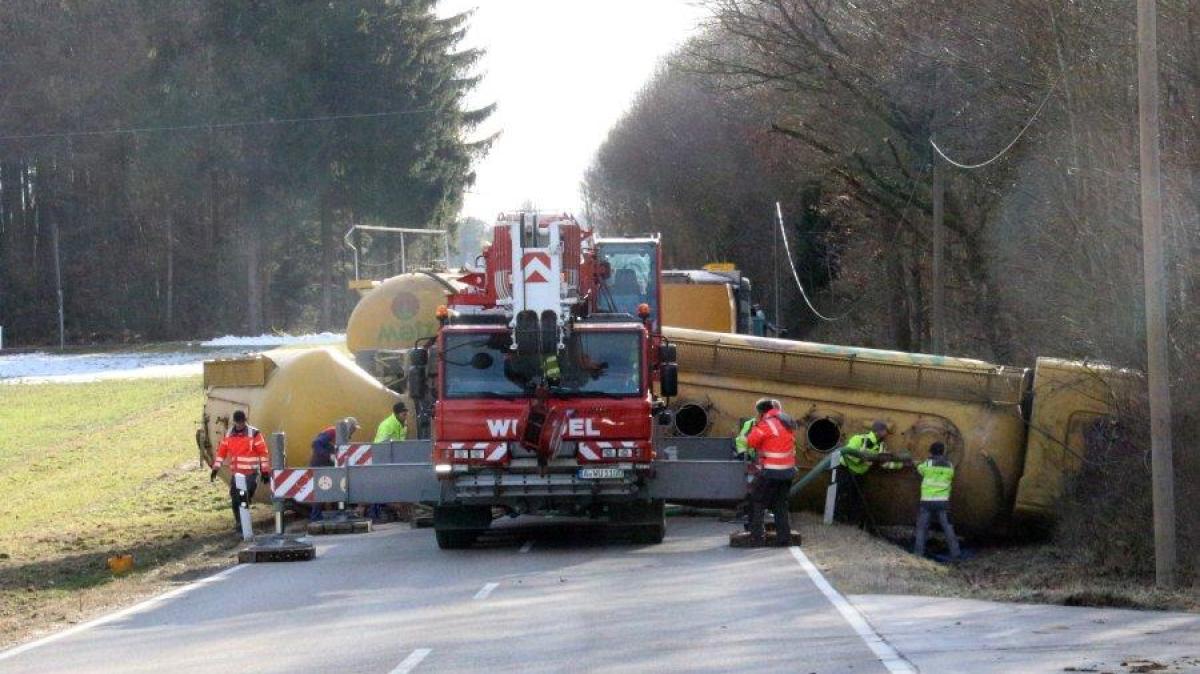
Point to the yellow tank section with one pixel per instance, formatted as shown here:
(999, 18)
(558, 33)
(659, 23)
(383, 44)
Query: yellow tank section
(1072, 401)
(396, 312)
(835, 392)
(301, 392)
(698, 306)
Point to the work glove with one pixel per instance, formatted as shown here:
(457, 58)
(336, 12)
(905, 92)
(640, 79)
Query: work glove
(213, 475)
(264, 477)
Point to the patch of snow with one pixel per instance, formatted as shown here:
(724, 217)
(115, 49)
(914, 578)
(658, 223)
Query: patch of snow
(277, 340)
(41, 367)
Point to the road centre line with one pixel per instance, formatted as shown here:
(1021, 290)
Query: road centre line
(486, 590)
(527, 547)
(117, 615)
(895, 663)
(410, 663)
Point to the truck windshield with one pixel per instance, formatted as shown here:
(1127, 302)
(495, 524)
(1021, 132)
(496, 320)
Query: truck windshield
(632, 270)
(482, 365)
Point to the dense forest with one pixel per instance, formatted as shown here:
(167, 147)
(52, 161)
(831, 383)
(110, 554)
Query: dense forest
(183, 169)
(833, 109)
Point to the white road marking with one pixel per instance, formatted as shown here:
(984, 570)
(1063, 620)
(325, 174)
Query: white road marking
(486, 590)
(136, 608)
(410, 663)
(895, 663)
(527, 547)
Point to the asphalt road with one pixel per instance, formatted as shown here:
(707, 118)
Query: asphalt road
(528, 599)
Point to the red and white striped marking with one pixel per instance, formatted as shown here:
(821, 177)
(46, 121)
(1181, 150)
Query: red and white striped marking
(495, 451)
(354, 455)
(592, 450)
(537, 267)
(293, 483)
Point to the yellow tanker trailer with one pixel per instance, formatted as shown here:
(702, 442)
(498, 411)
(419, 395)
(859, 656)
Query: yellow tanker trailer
(301, 391)
(1013, 434)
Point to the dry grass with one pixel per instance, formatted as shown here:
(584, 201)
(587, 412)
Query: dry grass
(858, 563)
(99, 469)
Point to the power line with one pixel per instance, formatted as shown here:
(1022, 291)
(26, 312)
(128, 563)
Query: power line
(1001, 153)
(796, 275)
(214, 125)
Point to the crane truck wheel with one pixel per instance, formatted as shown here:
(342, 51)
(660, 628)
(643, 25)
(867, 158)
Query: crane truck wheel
(457, 527)
(646, 521)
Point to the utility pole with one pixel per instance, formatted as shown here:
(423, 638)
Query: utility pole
(1154, 277)
(937, 333)
(775, 264)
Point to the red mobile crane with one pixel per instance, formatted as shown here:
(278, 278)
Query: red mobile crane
(547, 371)
(540, 390)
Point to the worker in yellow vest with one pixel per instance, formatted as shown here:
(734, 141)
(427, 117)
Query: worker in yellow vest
(857, 457)
(937, 478)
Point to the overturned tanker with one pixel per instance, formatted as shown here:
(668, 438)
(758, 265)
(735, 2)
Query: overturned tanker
(1014, 434)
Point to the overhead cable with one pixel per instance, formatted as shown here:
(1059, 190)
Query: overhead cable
(796, 275)
(1001, 153)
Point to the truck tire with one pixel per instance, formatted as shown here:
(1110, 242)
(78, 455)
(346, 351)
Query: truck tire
(647, 521)
(458, 527)
(456, 539)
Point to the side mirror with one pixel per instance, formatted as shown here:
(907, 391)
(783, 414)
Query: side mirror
(418, 357)
(669, 380)
(418, 386)
(667, 353)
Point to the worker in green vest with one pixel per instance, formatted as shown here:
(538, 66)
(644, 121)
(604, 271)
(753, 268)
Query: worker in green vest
(741, 448)
(857, 457)
(937, 477)
(395, 427)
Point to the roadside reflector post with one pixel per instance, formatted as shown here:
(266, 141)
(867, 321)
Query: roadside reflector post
(278, 446)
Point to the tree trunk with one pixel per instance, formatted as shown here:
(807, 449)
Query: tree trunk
(169, 319)
(253, 285)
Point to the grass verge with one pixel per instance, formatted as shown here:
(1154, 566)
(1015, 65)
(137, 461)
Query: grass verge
(858, 563)
(98, 469)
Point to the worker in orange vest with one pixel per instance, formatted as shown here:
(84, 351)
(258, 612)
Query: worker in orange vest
(774, 444)
(245, 450)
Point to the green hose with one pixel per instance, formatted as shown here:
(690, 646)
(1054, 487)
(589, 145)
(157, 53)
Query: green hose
(816, 470)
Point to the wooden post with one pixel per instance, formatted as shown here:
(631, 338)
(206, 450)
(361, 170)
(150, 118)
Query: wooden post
(937, 332)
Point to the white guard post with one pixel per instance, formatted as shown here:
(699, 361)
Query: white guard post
(831, 490)
(239, 481)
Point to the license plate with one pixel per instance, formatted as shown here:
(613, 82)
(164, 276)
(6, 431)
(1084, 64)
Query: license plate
(601, 473)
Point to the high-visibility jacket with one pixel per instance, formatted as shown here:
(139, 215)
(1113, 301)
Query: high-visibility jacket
(936, 477)
(740, 446)
(774, 442)
(867, 443)
(550, 368)
(244, 450)
(391, 429)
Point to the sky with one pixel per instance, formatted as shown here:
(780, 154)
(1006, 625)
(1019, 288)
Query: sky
(561, 73)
